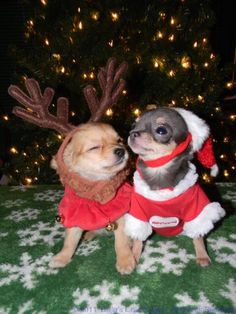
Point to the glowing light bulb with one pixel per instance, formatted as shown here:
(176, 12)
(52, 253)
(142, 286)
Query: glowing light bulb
(44, 2)
(195, 44)
(200, 98)
(226, 173)
(124, 92)
(56, 56)
(28, 180)
(5, 118)
(114, 16)
(62, 69)
(212, 56)
(172, 21)
(13, 150)
(160, 35)
(232, 117)
(109, 112)
(171, 37)
(206, 64)
(137, 112)
(95, 16)
(229, 85)
(84, 75)
(46, 41)
(171, 73)
(80, 25)
(162, 15)
(206, 178)
(111, 43)
(185, 62)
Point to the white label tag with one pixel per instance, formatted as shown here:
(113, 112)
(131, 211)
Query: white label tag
(163, 222)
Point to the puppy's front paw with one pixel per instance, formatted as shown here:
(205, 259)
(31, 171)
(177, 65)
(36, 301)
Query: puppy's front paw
(59, 261)
(126, 264)
(203, 261)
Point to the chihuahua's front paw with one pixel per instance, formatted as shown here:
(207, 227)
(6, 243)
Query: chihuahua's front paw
(137, 249)
(125, 265)
(59, 261)
(203, 261)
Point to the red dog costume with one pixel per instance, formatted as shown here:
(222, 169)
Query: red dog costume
(88, 204)
(184, 208)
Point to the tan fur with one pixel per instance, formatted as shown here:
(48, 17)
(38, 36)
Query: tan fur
(90, 153)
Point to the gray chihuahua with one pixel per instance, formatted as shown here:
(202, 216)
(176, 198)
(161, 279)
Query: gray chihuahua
(167, 198)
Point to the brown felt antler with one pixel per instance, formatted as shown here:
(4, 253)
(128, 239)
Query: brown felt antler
(37, 103)
(111, 85)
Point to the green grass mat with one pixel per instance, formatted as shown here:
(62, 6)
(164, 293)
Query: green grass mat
(167, 279)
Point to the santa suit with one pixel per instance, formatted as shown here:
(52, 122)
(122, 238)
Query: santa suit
(183, 209)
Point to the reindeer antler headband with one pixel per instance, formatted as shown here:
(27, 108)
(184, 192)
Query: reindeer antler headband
(37, 103)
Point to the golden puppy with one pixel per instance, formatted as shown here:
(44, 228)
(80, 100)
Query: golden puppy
(91, 163)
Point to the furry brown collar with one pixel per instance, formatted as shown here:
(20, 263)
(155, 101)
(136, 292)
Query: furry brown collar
(101, 191)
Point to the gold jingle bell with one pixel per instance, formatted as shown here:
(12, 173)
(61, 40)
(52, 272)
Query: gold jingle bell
(111, 226)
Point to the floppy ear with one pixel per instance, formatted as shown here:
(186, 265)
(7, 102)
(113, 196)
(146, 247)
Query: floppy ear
(197, 127)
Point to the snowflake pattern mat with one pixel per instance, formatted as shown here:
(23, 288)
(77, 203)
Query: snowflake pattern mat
(166, 281)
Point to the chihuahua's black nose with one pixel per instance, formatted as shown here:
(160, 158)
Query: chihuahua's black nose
(134, 134)
(119, 152)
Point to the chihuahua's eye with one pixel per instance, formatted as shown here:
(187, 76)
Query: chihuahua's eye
(161, 130)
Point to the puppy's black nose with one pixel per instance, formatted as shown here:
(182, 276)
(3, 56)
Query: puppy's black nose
(119, 152)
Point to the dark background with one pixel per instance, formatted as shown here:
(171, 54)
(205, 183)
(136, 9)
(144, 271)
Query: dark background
(12, 15)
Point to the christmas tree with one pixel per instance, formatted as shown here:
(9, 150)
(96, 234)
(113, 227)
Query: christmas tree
(171, 63)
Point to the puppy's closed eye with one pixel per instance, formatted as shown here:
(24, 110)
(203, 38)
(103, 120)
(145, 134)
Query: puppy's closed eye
(94, 148)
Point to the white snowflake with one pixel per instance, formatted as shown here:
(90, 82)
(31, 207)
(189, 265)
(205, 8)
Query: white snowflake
(28, 306)
(22, 188)
(41, 233)
(27, 213)
(226, 184)
(225, 249)
(202, 305)
(229, 292)
(23, 308)
(27, 270)
(230, 196)
(167, 254)
(89, 301)
(4, 310)
(3, 234)
(49, 195)
(15, 203)
(88, 247)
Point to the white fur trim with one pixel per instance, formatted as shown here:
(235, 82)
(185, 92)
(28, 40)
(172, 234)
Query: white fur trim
(204, 222)
(136, 228)
(197, 127)
(214, 170)
(143, 189)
